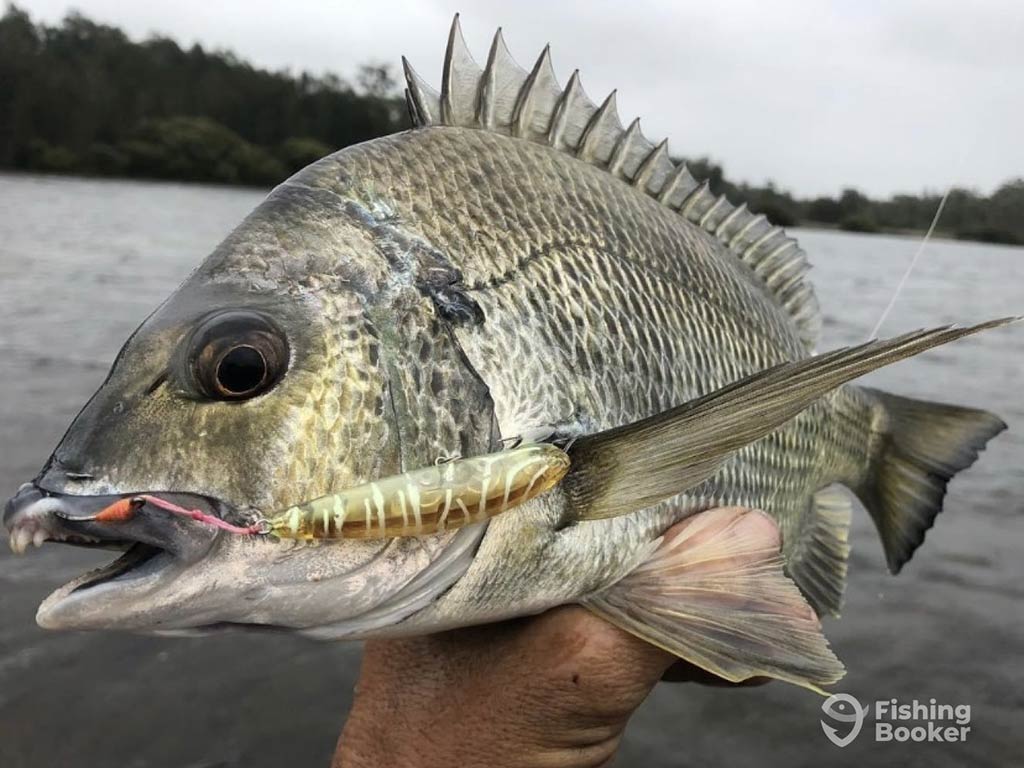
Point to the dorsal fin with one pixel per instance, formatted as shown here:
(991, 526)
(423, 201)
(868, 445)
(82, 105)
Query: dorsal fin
(505, 99)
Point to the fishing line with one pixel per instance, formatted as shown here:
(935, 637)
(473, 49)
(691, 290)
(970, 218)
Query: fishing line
(123, 510)
(912, 265)
(965, 150)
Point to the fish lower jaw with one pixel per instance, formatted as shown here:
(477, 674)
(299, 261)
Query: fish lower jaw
(63, 608)
(40, 520)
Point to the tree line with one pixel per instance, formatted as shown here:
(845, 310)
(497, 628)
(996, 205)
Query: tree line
(81, 97)
(967, 215)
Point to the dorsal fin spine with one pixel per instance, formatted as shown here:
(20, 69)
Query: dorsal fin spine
(751, 249)
(650, 165)
(564, 110)
(410, 105)
(711, 211)
(531, 96)
(615, 162)
(602, 124)
(758, 219)
(447, 108)
(485, 112)
(780, 249)
(426, 99)
(736, 213)
(681, 181)
(699, 192)
(504, 98)
(500, 86)
(782, 286)
(460, 81)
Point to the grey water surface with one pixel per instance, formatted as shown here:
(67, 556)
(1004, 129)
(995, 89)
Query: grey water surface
(82, 262)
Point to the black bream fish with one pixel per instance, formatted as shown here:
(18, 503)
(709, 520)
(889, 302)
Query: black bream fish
(383, 330)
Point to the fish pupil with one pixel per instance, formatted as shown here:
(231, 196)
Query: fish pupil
(241, 370)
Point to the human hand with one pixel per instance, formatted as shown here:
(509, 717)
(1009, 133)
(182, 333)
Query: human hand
(554, 690)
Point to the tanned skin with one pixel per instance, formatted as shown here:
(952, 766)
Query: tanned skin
(548, 691)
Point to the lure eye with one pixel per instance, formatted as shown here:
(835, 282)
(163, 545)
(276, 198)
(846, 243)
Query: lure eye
(237, 355)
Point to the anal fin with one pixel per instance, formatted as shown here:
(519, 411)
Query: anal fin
(818, 563)
(714, 593)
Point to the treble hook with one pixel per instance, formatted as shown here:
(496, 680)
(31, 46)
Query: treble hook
(445, 458)
(512, 442)
(120, 511)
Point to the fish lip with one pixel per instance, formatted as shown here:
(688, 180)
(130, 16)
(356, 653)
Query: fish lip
(155, 545)
(137, 570)
(67, 518)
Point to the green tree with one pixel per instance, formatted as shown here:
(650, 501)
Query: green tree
(82, 97)
(824, 210)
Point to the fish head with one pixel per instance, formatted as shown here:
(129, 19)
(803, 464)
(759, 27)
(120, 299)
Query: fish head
(287, 367)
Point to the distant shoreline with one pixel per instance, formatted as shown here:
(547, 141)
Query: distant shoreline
(812, 226)
(938, 234)
(74, 176)
(910, 234)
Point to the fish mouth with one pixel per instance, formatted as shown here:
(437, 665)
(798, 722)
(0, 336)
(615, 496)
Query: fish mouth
(137, 561)
(152, 543)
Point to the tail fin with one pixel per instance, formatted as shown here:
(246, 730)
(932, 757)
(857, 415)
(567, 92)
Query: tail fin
(919, 447)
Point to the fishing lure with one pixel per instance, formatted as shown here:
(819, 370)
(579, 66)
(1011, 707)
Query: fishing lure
(428, 500)
(451, 495)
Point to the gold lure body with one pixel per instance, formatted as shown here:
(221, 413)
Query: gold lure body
(437, 498)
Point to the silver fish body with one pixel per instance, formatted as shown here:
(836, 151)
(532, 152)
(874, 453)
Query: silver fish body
(518, 265)
(597, 307)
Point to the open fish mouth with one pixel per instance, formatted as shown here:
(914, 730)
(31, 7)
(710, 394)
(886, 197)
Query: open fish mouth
(151, 542)
(137, 561)
(189, 569)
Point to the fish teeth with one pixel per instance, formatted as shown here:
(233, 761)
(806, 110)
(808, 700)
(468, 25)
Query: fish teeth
(36, 525)
(31, 529)
(22, 537)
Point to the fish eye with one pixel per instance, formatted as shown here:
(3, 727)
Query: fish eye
(237, 355)
(241, 370)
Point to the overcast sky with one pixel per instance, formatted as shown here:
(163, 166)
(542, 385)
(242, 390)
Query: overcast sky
(891, 96)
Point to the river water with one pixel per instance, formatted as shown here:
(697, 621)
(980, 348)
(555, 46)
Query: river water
(81, 264)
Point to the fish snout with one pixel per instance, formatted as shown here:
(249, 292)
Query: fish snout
(27, 494)
(30, 519)
(34, 515)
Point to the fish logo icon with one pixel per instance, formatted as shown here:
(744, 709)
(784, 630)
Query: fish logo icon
(843, 708)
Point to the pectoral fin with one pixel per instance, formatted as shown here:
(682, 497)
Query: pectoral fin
(638, 465)
(715, 594)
